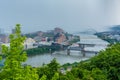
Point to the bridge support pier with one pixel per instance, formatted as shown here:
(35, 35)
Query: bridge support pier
(50, 51)
(68, 51)
(83, 52)
(82, 46)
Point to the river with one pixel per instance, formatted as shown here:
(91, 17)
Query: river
(61, 56)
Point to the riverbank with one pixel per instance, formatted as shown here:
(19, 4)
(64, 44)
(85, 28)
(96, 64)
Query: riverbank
(45, 49)
(75, 64)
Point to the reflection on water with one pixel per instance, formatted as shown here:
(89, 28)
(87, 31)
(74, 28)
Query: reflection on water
(61, 57)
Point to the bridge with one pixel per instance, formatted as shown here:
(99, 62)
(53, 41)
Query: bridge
(87, 47)
(89, 44)
(82, 49)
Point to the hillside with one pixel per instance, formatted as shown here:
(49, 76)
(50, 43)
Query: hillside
(115, 28)
(104, 66)
(112, 35)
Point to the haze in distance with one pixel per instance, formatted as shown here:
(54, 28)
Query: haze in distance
(71, 15)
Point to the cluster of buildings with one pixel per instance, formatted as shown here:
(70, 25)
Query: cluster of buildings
(113, 36)
(3, 37)
(57, 36)
(40, 38)
(116, 37)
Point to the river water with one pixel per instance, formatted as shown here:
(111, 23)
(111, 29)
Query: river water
(61, 56)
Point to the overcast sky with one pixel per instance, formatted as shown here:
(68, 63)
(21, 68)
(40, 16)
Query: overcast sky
(71, 15)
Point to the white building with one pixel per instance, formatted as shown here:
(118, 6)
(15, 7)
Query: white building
(6, 44)
(29, 43)
(45, 43)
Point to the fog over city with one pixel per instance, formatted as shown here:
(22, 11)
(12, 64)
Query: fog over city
(71, 15)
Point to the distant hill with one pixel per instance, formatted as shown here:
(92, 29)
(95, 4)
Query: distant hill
(115, 28)
(112, 35)
(88, 31)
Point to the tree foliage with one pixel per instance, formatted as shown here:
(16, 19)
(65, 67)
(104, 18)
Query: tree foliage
(104, 66)
(51, 70)
(13, 69)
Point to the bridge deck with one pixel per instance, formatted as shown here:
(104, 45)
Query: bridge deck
(80, 49)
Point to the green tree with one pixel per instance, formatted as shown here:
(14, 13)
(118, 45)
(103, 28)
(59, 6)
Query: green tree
(44, 77)
(64, 77)
(78, 73)
(51, 70)
(104, 66)
(55, 77)
(13, 70)
(70, 76)
(53, 66)
(98, 74)
(0, 52)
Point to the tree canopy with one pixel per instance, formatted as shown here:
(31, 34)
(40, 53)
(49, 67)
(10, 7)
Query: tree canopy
(13, 69)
